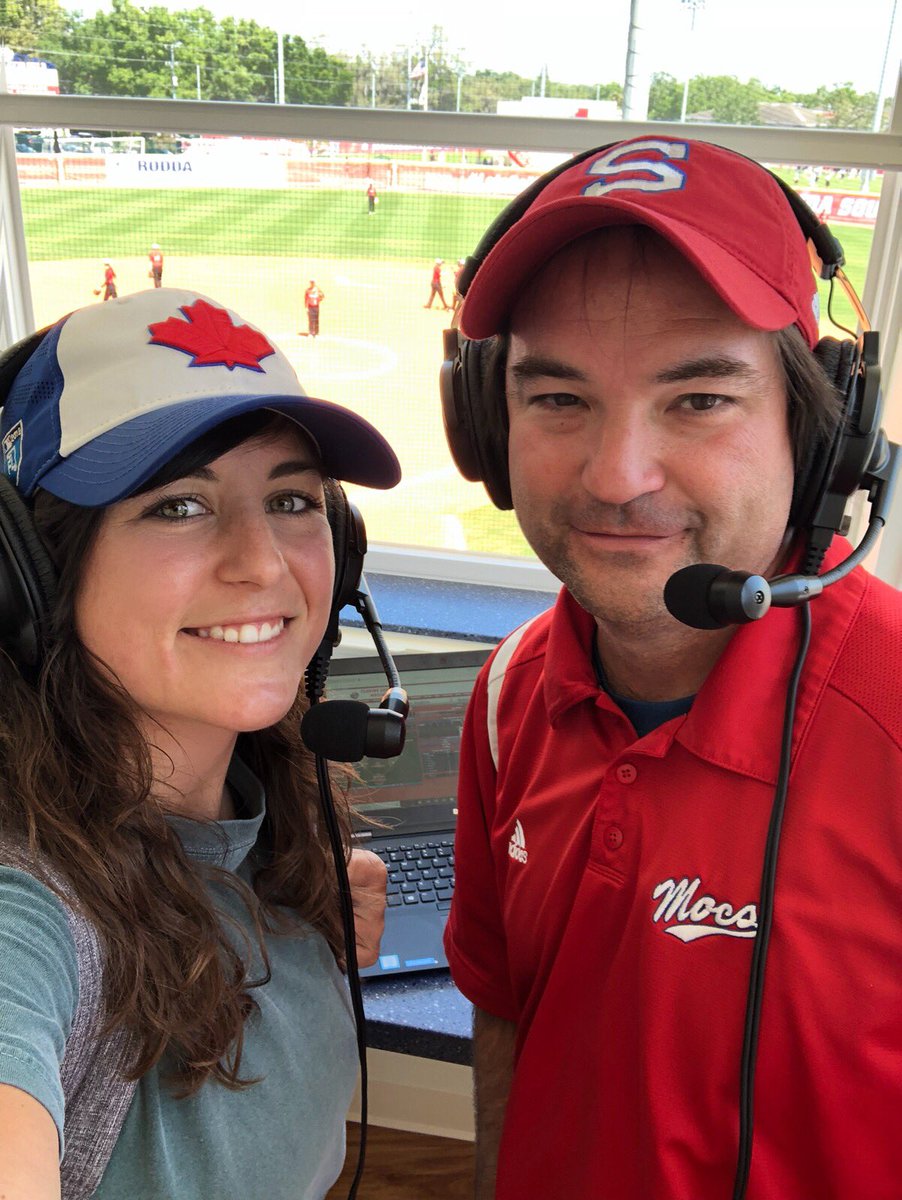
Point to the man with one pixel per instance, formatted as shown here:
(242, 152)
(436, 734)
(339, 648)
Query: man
(313, 298)
(371, 197)
(435, 286)
(657, 312)
(156, 265)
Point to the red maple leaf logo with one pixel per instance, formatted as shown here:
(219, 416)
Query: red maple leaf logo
(211, 337)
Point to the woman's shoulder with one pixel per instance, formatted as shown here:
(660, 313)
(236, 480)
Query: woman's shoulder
(32, 914)
(39, 986)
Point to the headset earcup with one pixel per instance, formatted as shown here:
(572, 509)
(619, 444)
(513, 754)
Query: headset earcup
(475, 412)
(482, 369)
(348, 549)
(814, 475)
(27, 581)
(348, 545)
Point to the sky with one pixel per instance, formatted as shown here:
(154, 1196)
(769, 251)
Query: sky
(797, 44)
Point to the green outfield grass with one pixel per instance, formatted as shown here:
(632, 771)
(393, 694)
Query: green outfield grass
(209, 236)
(100, 223)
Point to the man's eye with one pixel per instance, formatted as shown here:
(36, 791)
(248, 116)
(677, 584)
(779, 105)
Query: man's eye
(704, 401)
(556, 399)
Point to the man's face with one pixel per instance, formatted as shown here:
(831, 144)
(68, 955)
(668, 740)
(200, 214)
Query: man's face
(648, 426)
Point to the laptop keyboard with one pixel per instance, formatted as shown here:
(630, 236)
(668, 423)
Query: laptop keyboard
(420, 873)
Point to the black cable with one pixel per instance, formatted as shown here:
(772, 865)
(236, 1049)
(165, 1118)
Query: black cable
(833, 319)
(347, 922)
(765, 921)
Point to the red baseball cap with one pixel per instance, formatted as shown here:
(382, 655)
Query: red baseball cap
(724, 212)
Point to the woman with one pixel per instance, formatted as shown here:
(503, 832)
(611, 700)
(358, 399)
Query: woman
(152, 780)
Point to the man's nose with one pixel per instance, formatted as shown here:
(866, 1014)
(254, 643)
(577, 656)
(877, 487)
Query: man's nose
(623, 460)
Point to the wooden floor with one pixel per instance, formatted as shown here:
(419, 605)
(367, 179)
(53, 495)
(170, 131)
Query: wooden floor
(407, 1166)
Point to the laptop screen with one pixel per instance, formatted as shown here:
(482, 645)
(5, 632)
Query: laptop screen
(417, 791)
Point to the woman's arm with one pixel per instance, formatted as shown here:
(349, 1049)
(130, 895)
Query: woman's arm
(29, 1148)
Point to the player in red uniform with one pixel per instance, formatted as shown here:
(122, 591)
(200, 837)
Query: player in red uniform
(156, 265)
(371, 197)
(109, 282)
(621, 768)
(313, 298)
(435, 286)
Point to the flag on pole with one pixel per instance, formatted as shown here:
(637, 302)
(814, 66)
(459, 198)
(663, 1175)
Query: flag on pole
(423, 98)
(419, 71)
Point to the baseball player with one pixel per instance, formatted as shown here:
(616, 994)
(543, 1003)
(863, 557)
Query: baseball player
(108, 287)
(435, 287)
(313, 298)
(156, 265)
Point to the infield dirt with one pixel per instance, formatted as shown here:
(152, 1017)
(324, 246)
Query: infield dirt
(378, 353)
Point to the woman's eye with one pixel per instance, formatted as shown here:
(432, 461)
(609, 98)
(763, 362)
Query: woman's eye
(178, 508)
(293, 502)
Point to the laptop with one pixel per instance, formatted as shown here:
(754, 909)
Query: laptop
(407, 806)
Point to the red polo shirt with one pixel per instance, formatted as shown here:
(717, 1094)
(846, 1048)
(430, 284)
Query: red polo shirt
(606, 901)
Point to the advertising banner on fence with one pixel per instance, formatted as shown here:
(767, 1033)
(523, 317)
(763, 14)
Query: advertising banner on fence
(234, 169)
(850, 207)
(243, 166)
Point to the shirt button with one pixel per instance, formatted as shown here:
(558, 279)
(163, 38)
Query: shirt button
(613, 837)
(627, 773)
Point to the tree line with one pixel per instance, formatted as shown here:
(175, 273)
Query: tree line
(154, 52)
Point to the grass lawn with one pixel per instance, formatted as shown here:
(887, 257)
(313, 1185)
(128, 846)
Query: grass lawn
(253, 249)
(101, 223)
(105, 223)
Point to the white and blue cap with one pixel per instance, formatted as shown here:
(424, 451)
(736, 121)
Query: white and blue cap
(113, 391)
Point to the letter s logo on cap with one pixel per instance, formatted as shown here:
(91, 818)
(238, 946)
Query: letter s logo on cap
(639, 174)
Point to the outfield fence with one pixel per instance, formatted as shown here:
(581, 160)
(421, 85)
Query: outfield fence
(227, 168)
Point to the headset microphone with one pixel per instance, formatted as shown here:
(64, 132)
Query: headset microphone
(348, 730)
(706, 596)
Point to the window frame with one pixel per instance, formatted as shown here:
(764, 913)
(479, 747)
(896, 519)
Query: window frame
(841, 148)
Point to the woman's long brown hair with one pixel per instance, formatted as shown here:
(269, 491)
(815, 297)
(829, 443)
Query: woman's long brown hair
(76, 781)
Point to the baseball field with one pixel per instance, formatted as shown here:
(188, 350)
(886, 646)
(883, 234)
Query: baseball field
(379, 350)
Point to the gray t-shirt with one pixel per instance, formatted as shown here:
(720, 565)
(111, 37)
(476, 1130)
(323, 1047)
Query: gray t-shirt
(282, 1138)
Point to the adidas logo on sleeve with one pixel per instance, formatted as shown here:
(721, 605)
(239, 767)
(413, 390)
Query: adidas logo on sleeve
(516, 847)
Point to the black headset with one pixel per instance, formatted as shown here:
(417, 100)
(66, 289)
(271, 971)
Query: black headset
(475, 412)
(28, 582)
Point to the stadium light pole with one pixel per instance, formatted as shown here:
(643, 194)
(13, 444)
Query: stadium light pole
(173, 78)
(693, 6)
(878, 107)
(637, 80)
(280, 66)
(867, 176)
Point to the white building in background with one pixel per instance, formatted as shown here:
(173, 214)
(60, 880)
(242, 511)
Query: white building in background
(560, 106)
(27, 76)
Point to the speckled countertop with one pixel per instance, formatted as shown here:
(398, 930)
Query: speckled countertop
(422, 1014)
